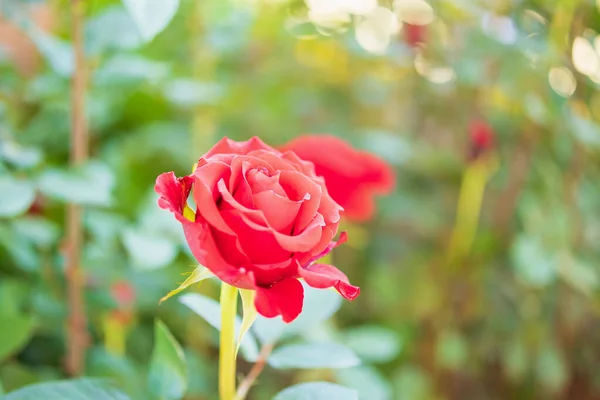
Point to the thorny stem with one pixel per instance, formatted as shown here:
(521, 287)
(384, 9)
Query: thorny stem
(76, 330)
(227, 342)
(255, 371)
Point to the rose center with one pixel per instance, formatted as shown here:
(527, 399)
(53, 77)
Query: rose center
(263, 170)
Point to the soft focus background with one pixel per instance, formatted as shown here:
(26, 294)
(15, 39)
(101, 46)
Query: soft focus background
(512, 314)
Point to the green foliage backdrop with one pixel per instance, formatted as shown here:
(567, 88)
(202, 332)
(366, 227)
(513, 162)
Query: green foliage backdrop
(515, 316)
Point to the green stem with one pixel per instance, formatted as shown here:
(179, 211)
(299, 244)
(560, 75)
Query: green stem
(227, 342)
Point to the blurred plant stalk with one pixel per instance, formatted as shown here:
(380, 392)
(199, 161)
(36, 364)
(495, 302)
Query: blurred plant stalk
(475, 179)
(76, 335)
(203, 67)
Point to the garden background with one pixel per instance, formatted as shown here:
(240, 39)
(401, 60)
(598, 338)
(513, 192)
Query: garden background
(478, 274)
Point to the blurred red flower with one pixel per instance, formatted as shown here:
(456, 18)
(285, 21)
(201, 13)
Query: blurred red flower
(124, 293)
(414, 35)
(353, 177)
(482, 138)
(262, 219)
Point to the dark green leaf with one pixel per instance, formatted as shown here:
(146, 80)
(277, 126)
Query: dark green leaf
(15, 332)
(167, 378)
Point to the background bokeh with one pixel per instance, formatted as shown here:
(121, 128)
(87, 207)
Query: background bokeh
(512, 315)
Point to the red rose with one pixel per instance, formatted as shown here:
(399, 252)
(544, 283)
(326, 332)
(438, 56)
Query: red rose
(262, 219)
(353, 177)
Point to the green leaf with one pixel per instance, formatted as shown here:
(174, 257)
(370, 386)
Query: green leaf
(21, 157)
(452, 350)
(249, 314)
(150, 16)
(367, 381)
(17, 196)
(189, 93)
(210, 311)
(373, 343)
(515, 360)
(91, 184)
(113, 29)
(317, 391)
(313, 355)
(198, 275)
(413, 383)
(319, 305)
(58, 53)
(533, 265)
(1, 389)
(147, 250)
(77, 389)
(167, 377)
(16, 331)
(40, 231)
(551, 367)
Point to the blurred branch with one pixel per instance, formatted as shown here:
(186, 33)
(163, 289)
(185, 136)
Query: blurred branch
(519, 166)
(255, 371)
(573, 179)
(77, 335)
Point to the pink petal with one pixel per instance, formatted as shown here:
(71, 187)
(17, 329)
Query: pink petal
(228, 146)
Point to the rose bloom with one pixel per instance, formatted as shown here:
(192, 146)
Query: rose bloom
(353, 177)
(262, 219)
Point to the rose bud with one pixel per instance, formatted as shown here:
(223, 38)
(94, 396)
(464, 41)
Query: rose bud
(261, 220)
(353, 177)
(482, 139)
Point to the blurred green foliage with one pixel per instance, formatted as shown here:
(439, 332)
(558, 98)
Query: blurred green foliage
(516, 317)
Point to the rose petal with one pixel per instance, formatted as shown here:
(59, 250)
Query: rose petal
(327, 233)
(284, 298)
(260, 181)
(228, 146)
(300, 187)
(206, 195)
(306, 167)
(353, 177)
(322, 276)
(256, 234)
(205, 250)
(279, 211)
(332, 245)
(173, 193)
